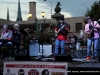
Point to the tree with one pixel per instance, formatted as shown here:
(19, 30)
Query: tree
(94, 11)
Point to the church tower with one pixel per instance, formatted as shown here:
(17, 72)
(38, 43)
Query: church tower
(8, 14)
(19, 15)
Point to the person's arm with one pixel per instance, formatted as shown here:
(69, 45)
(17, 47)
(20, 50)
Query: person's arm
(87, 31)
(67, 27)
(97, 26)
(10, 35)
(56, 30)
(1, 35)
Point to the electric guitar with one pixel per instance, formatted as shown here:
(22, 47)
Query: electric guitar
(91, 31)
(56, 34)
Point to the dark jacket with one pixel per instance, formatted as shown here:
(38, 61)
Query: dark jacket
(63, 31)
(16, 36)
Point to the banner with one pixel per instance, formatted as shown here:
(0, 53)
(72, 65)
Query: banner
(35, 68)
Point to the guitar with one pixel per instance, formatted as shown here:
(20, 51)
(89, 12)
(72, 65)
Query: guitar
(56, 34)
(91, 31)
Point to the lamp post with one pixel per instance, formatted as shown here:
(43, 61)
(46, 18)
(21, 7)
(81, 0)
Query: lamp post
(36, 27)
(30, 16)
(42, 14)
(51, 6)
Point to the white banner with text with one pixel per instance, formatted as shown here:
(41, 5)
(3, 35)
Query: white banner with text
(35, 68)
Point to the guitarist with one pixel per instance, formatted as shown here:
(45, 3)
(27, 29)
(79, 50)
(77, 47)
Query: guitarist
(62, 36)
(91, 29)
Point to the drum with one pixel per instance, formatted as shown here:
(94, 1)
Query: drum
(77, 46)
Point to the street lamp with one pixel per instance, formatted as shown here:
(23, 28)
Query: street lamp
(42, 14)
(29, 15)
(51, 6)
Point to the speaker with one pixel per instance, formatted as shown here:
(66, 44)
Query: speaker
(21, 57)
(63, 57)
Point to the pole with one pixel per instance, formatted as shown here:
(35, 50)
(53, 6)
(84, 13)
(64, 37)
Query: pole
(42, 36)
(36, 28)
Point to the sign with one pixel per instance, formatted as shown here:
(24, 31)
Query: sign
(35, 68)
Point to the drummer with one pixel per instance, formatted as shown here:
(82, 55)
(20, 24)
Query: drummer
(6, 34)
(72, 38)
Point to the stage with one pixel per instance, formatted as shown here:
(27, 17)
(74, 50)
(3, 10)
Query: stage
(78, 65)
(77, 62)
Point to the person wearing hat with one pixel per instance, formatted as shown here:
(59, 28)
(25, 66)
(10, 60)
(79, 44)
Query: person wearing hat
(91, 29)
(7, 34)
(16, 37)
(61, 30)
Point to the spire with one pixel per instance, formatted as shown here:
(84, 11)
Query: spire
(8, 13)
(19, 16)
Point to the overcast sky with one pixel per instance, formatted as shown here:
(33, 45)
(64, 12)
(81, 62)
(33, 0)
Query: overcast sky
(70, 8)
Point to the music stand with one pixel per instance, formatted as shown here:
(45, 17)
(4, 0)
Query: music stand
(24, 33)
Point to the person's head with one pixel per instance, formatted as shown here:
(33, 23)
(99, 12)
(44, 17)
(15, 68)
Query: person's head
(21, 72)
(61, 19)
(72, 32)
(16, 27)
(88, 19)
(5, 27)
(45, 72)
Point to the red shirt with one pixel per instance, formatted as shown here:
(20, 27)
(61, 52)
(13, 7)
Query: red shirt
(60, 36)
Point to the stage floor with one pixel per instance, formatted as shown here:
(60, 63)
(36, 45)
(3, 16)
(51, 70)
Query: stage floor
(77, 62)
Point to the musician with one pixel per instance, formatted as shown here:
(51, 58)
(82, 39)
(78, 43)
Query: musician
(72, 39)
(93, 38)
(7, 34)
(16, 37)
(62, 36)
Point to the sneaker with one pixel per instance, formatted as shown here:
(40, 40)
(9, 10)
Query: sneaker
(88, 58)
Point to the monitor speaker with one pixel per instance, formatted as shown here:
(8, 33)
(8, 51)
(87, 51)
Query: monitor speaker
(21, 57)
(63, 58)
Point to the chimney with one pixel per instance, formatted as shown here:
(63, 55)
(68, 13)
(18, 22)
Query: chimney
(32, 10)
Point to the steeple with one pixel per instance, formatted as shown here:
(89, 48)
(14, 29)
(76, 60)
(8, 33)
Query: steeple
(8, 13)
(19, 16)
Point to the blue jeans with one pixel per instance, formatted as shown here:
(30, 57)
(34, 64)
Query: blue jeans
(61, 44)
(89, 44)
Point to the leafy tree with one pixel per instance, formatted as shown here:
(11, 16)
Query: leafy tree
(94, 11)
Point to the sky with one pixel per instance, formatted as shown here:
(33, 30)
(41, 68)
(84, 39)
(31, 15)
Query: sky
(69, 8)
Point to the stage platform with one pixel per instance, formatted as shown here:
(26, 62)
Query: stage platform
(77, 62)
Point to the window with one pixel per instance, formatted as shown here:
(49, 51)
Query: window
(78, 26)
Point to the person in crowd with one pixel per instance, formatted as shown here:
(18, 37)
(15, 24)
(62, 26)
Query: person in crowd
(6, 36)
(61, 32)
(91, 29)
(16, 38)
